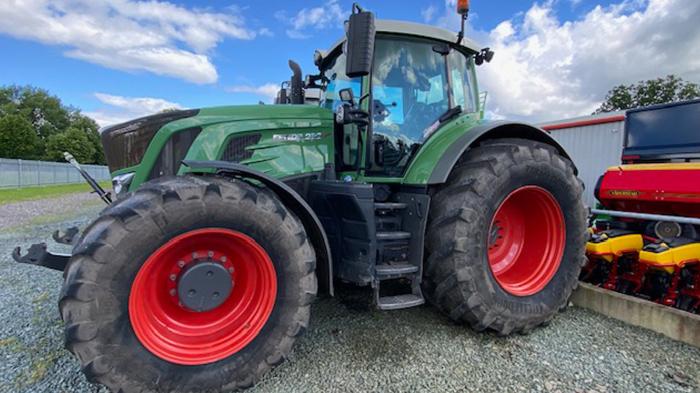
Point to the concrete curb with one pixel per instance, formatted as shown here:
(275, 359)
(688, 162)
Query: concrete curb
(676, 324)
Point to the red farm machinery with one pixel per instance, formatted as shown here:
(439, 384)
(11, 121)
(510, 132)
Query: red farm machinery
(645, 237)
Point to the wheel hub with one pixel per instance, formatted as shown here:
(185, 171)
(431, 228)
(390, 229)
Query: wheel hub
(204, 286)
(526, 240)
(202, 296)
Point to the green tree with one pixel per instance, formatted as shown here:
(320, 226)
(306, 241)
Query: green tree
(91, 130)
(46, 112)
(17, 137)
(48, 116)
(74, 141)
(650, 92)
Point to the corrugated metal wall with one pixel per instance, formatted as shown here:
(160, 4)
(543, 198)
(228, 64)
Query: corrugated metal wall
(593, 148)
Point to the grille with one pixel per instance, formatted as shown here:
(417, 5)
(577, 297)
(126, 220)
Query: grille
(125, 144)
(174, 152)
(236, 149)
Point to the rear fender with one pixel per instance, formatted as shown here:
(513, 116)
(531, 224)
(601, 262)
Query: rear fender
(486, 131)
(293, 201)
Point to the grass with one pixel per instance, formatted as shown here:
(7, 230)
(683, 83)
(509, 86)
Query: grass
(32, 193)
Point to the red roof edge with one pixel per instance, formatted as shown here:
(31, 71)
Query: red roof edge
(584, 123)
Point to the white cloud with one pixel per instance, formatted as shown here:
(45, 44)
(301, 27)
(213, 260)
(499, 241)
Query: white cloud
(265, 32)
(154, 36)
(267, 91)
(428, 13)
(329, 15)
(120, 109)
(546, 69)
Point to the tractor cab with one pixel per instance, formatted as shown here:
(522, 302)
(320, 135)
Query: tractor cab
(419, 78)
(414, 79)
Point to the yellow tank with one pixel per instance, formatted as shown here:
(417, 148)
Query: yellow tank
(607, 245)
(668, 258)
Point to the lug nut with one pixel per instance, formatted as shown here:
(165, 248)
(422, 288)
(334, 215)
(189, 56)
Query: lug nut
(172, 292)
(181, 264)
(223, 259)
(230, 270)
(173, 277)
(194, 255)
(210, 254)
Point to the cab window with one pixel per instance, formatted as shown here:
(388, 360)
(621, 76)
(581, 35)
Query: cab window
(336, 80)
(462, 86)
(409, 94)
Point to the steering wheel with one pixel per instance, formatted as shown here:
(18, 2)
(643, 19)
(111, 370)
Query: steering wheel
(380, 111)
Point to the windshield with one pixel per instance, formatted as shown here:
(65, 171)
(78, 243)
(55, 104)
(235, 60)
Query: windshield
(409, 88)
(336, 81)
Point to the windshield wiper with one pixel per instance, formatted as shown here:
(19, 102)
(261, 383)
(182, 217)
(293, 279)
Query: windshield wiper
(445, 117)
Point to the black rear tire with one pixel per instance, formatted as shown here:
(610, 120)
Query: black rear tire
(458, 277)
(95, 297)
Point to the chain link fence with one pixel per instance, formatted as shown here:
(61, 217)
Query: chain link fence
(27, 173)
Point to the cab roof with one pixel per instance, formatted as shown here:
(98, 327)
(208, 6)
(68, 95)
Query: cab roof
(416, 30)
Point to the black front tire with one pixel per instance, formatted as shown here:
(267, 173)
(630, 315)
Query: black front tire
(458, 277)
(98, 279)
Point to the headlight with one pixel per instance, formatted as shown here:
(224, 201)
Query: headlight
(120, 183)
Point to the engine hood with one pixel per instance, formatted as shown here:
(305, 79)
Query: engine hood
(126, 144)
(280, 140)
(263, 112)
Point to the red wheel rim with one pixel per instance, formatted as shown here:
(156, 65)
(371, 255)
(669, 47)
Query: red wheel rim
(182, 336)
(526, 240)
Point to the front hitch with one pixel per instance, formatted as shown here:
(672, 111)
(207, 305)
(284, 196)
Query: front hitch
(38, 255)
(69, 236)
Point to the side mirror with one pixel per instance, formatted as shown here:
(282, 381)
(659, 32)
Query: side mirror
(485, 54)
(349, 113)
(360, 43)
(318, 58)
(347, 96)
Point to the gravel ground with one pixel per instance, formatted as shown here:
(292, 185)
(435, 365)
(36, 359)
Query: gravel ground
(348, 350)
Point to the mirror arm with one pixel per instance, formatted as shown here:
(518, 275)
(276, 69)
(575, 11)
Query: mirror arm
(364, 96)
(360, 130)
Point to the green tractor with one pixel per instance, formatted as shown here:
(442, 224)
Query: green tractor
(227, 222)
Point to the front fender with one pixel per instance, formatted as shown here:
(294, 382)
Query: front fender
(293, 201)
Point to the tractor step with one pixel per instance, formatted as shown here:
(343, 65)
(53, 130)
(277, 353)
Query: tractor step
(393, 236)
(388, 223)
(395, 270)
(389, 206)
(398, 302)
